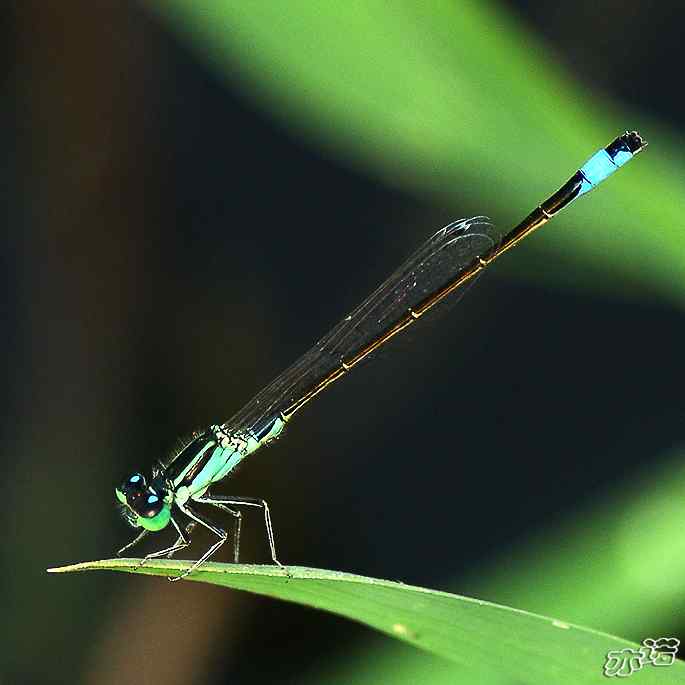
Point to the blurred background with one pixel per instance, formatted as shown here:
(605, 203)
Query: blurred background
(195, 192)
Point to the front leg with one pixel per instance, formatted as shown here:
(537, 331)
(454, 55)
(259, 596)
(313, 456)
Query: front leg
(133, 542)
(181, 542)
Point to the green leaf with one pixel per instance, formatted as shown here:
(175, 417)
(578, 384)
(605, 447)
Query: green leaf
(475, 634)
(457, 100)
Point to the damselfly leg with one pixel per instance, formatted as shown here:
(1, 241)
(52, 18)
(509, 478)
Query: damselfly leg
(220, 501)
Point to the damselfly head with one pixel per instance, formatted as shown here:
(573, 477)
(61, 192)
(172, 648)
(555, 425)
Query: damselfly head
(143, 506)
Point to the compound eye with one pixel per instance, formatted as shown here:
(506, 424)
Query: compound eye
(147, 505)
(134, 485)
(152, 512)
(131, 489)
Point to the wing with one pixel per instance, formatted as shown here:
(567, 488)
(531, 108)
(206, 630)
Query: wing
(440, 260)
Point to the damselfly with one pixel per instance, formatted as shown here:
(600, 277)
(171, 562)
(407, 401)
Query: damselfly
(437, 272)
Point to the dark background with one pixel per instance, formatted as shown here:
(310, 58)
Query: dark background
(170, 247)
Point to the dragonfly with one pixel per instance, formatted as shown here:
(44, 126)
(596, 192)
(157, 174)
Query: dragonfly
(438, 272)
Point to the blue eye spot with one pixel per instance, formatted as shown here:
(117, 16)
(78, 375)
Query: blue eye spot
(152, 499)
(134, 479)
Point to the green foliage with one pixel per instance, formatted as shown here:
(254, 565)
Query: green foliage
(617, 565)
(512, 643)
(458, 101)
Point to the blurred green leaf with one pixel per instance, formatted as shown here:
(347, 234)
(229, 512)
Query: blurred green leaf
(459, 101)
(617, 565)
(470, 632)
